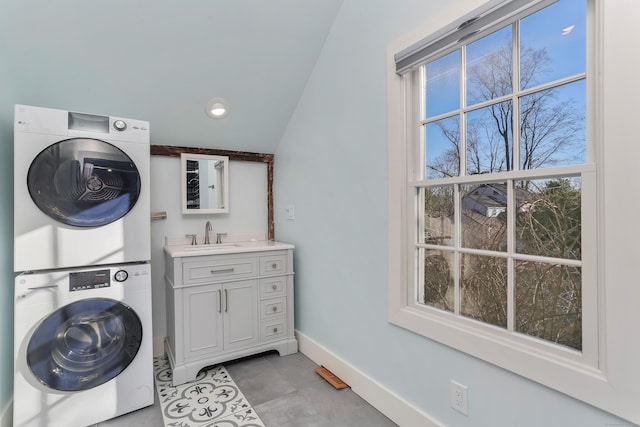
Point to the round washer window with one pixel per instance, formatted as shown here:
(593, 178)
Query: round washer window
(84, 344)
(84, 182)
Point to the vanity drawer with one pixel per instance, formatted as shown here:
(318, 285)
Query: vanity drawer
(273, 287)
(273, 264)
(274, 307)
(273, 330)
(219, 269)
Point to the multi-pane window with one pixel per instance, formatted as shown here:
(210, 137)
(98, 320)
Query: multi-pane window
(511, 232)
(505, 165)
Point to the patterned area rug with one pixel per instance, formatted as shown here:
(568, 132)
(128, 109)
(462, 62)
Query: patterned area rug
(212, 400)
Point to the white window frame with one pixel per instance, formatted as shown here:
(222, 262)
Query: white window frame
(604, 374)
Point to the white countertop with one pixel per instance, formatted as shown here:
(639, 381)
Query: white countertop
(186, 250)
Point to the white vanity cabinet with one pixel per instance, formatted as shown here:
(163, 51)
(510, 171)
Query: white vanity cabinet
(227, 305)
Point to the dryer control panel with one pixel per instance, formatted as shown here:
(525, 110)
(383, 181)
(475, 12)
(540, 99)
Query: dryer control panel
(84, 280)
(40, 120)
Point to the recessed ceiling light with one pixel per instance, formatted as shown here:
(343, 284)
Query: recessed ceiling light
(217, 108)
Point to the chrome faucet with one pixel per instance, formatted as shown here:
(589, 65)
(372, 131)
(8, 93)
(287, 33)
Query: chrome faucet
(207, 229)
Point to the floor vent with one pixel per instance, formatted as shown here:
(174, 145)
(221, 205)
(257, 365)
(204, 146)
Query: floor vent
(331, 378)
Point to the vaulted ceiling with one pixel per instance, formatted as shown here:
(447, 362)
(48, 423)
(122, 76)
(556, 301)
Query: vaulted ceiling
(162, 60)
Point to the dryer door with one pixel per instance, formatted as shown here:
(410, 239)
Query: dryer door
(84, 344)
(84, 182)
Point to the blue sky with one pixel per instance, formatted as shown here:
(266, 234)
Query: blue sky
(560, 29)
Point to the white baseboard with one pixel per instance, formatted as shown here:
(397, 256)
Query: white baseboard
(6, 417)
(384, 400)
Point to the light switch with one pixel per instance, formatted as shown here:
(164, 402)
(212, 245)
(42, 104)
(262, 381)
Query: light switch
(291, 212)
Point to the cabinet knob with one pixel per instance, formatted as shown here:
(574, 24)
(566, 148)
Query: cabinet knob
(274, 287)
(274, 265)
(274, 308)
(275, 330)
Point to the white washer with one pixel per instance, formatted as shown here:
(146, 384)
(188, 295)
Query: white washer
(81, 189)
(82, 346)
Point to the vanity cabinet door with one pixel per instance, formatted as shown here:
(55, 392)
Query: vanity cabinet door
(203, 308)
(220, 317)
(240, 314)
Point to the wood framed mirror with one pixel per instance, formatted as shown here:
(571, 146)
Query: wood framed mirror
(268, 159)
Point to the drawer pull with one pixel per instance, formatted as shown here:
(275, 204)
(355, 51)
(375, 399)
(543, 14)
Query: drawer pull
(275, 330)
(222, 270)
(274, 266)
(274, 308)
(274, 287)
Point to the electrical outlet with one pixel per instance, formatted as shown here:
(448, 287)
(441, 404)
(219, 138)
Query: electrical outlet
(459, 400)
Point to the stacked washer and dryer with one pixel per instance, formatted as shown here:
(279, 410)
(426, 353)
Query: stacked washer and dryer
(82, 332)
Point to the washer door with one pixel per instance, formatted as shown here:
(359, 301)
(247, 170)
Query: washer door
(84, 344)
(84, 182)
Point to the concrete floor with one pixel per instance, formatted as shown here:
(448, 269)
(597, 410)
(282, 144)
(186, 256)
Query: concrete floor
(285, 392)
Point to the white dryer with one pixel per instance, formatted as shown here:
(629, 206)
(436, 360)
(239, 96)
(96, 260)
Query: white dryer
(83, 345)
(81, 189)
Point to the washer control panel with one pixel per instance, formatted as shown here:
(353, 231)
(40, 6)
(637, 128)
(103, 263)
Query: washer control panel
(84, 280)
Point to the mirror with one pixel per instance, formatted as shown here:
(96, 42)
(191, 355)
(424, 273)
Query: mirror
(205, 184)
